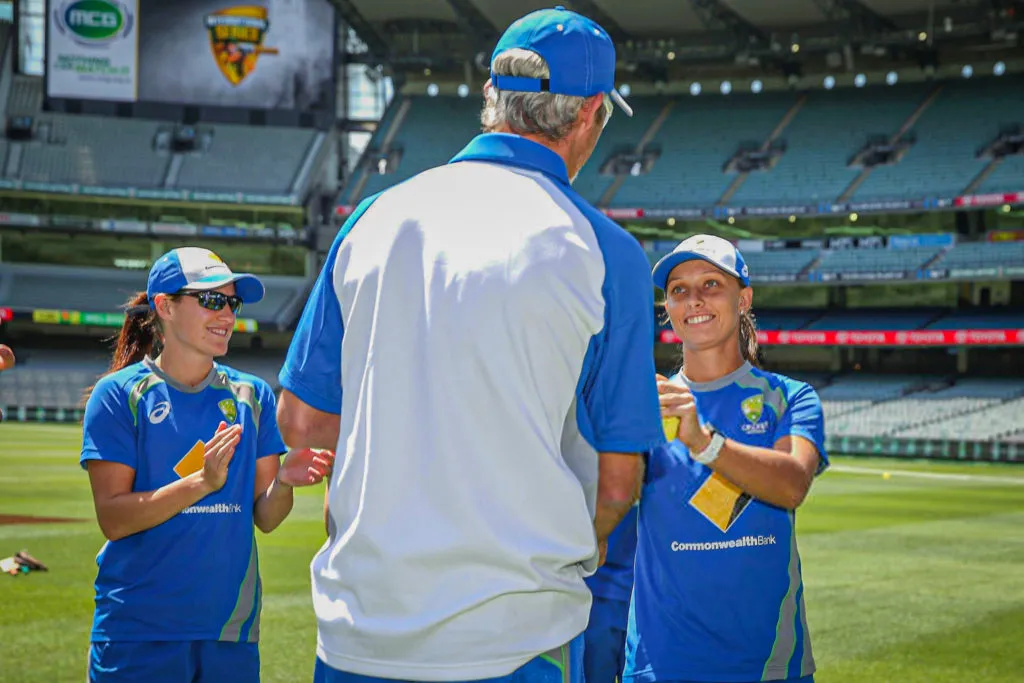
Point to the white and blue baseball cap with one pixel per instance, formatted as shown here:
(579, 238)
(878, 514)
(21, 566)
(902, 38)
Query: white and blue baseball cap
(714, 250)
(579, 53)
(193, 269)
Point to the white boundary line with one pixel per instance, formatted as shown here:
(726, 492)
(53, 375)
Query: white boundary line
(853, 469)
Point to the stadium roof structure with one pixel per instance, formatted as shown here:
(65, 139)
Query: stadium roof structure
(659, 38)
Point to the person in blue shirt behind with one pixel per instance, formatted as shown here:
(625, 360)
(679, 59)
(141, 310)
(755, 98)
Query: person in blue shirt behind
(183, 457)
(718, 594)
(604, 641)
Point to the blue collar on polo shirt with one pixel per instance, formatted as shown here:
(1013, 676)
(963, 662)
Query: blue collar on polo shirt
(514, 150)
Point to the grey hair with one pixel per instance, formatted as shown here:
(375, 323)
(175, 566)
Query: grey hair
(528, 113)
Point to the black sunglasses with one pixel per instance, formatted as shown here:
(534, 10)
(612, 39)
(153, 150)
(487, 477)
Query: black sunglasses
(215, 301)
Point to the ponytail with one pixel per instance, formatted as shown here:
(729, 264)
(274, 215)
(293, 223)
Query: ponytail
(748, 340)
(138, 338)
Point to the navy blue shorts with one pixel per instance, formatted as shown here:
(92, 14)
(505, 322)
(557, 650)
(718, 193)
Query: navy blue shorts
(196, 661)
(604, 649)
(562, 665)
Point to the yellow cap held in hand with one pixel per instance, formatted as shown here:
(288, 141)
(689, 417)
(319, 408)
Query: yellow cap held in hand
(671, 427)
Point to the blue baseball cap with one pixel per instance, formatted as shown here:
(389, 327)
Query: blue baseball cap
(193, 269)
(579, 53)
(715, 250)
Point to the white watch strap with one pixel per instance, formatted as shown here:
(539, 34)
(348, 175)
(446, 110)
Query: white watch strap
(710, 454)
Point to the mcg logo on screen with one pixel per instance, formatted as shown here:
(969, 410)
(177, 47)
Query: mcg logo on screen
(93, 23)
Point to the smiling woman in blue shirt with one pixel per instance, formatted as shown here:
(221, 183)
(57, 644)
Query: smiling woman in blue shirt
(183, 458)
(719, 595)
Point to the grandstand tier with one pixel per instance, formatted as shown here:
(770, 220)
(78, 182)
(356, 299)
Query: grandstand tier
(946, 124)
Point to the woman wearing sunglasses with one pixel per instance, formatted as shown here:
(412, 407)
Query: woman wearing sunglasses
(718, 593)
(183, 455)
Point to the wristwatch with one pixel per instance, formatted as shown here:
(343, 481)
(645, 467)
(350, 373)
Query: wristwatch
(710, 454)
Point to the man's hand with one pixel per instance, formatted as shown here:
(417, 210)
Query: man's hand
(305, 467)
(677, 401)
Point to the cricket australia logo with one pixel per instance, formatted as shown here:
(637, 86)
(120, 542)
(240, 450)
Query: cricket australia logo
(230, 410)
(236, 39)
(753, 410)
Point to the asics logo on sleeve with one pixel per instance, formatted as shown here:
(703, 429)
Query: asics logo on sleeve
(160, 412)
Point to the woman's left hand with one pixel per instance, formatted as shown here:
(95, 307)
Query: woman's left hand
(677, 401)
(305, 467)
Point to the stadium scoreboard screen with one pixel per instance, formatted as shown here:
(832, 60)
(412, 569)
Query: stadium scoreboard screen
(248, 54)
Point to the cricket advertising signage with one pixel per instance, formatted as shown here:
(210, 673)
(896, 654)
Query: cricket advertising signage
(92, 49)
(249, 54)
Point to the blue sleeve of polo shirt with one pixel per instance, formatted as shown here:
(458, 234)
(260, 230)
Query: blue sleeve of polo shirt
(312, 368)
(619, 394)
(804, 417)
(108, 427)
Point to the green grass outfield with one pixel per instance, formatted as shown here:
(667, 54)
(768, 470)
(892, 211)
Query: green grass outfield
(911, 578)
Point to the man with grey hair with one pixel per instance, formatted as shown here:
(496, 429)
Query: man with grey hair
(477, 350)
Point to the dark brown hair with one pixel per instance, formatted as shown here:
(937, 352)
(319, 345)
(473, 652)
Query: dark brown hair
(139, 336)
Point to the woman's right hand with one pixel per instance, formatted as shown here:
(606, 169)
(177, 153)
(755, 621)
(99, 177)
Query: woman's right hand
(219, 451)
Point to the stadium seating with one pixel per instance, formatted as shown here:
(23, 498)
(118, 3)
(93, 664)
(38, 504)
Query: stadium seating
(875, 319)
(965, 116)
(829, 129)
(120, 152)
(981, 409)
(875, 260)
(235, 160)
(29, 287)
(622, 132)
(983, 254)
(57, 379)
(982, 319)
(1008, 176)
(865, 387)
(89, 150)
(784, 319)
(765, 265)
(434, 130)
(699, 137)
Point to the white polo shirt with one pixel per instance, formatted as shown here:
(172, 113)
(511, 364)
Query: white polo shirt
(483, 333)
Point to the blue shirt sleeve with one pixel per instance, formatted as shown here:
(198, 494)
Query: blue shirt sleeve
(108, 427)
(312, 367)
(270, 441)
(620, 395)
(804, 417)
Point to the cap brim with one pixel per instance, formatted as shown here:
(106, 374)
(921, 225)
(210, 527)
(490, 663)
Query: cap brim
(248, 287)
(664, 267)
(623, 105)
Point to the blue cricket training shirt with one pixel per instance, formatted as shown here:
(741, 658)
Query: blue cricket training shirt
(719, 594)
(195, 576)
